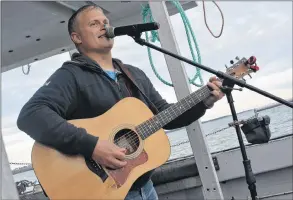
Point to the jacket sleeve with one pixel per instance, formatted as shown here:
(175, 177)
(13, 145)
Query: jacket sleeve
(161, 104)
(43, 117)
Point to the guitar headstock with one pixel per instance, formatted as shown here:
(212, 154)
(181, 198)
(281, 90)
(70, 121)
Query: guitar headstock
(242, 67)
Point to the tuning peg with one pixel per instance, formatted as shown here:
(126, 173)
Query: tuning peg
(237, 58)
(226, 66)
(254, 68)
(252, 60)
(231, 62)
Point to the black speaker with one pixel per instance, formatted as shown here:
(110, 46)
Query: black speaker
(257, 130)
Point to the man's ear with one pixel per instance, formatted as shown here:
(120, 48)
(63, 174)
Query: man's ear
(76, 38)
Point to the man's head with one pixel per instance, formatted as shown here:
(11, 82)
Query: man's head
(86, 29)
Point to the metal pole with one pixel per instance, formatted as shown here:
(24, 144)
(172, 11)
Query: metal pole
(8, 187)
(210, 184)
(7, 184)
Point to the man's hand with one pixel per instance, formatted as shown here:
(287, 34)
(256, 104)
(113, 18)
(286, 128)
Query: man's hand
(217, 94)
(109, 154)
(215, 84)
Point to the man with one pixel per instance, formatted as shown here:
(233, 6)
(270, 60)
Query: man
(88, 86)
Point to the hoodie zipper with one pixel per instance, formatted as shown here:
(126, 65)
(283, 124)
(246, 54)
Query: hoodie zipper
(118, 85)
(115, 82)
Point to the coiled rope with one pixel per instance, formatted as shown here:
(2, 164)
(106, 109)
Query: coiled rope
(147, 17)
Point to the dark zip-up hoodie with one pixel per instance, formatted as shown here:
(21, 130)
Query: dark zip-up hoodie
(81, 89)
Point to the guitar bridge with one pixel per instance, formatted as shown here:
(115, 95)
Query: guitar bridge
(97, 169)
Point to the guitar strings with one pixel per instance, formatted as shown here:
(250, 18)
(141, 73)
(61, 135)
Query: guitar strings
(134, 139)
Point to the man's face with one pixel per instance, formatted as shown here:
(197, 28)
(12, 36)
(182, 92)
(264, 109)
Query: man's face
(90, 31)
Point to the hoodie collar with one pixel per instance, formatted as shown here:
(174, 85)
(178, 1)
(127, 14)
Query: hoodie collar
(88, 62)
(85, 61)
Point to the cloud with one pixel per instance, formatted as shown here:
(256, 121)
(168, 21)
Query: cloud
(275, 80)
(8, 121)
(17, 87)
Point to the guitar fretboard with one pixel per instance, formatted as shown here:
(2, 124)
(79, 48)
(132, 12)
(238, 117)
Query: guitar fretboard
(158, 121)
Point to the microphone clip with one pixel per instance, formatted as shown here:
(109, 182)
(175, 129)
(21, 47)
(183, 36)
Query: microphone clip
(137, 38)
(226, 88)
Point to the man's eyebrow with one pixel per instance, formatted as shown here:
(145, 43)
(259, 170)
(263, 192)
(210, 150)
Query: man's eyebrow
(94, 20)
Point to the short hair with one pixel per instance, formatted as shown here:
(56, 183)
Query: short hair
(72, 19)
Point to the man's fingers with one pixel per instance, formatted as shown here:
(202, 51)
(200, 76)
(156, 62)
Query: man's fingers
(213, 78)
(118, 163)
(219, 95)
(213, 86)
(218, 83)
(119, 155)
(216, 94)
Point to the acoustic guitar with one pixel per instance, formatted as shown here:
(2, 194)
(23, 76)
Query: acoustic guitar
(129, 124)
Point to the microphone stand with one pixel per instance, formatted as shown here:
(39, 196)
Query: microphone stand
(228, 84)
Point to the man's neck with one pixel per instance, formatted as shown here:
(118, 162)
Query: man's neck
(104, 60)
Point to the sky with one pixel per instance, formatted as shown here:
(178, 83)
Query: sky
(262, 29)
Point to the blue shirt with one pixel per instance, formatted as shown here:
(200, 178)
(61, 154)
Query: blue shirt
(111, 74)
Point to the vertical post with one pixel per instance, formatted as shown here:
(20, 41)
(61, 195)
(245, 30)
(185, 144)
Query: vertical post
(8, 187)
(210, 184)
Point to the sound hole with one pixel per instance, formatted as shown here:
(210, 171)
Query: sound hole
(127, 139)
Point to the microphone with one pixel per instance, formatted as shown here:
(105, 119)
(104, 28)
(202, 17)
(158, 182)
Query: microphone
(130, 30)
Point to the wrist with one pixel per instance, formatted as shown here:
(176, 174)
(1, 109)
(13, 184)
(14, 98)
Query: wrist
(209, 102)
(87, 145)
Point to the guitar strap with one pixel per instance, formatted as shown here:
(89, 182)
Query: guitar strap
(129, 76)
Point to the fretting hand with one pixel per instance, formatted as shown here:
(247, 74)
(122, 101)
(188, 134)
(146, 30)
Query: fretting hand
(217, 94)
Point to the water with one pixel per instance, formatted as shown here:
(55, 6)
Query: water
(281, 124)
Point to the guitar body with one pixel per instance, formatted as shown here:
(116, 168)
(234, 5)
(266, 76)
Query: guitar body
(73, 177)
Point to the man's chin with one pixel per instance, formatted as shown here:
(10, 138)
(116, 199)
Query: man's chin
(109, 44)
(105, 49)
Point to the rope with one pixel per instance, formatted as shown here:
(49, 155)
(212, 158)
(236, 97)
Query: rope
(205, 19)
(155, 37)
(28, 69)
(217, 131)
(19, 163)
(209, 134)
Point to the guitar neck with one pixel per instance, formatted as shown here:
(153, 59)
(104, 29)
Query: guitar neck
(158, 121)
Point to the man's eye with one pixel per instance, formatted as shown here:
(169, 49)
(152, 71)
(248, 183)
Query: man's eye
(93, 24)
